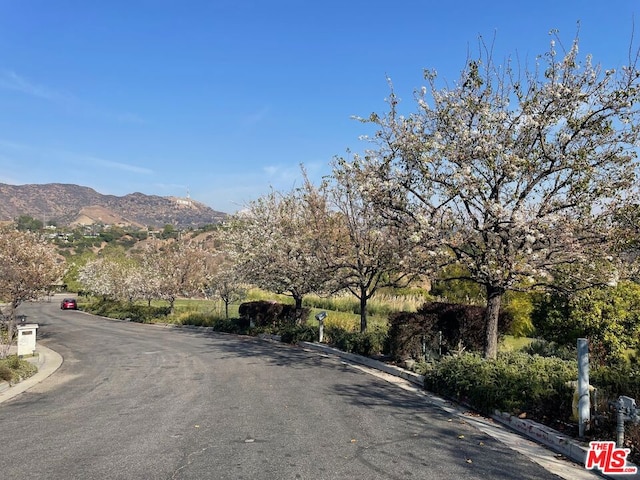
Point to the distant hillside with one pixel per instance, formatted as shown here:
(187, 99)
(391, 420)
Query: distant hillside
(73, 204)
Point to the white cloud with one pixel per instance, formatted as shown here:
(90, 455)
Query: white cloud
(119, 166)
(12, 81)
(270, 170)
(29, 153)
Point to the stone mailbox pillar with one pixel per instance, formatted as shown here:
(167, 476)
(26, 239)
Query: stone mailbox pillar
(27, 338)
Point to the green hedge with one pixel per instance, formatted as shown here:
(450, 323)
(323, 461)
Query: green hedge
(371, 342)
(514, 383)
(126, 311)
(616, 380)
(272, 314)
(299, 333)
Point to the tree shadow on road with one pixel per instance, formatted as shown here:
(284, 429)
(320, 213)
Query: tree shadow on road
(436, 443)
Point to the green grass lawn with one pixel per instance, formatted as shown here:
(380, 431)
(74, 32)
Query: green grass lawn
(346, 320)
(511, 344)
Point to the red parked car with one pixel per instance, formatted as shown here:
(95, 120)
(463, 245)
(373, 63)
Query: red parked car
(69, 304)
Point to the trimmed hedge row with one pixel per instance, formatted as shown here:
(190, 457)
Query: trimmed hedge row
(127, 311)
(439, 328)
(265, 313)
(516, 382)
(371, 342)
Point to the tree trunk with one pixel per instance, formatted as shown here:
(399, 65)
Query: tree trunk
(226, 308)
(10, 325)
(363, 309)
(494, 299)
(299, 319)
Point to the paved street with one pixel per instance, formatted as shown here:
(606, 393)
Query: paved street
(136, 401)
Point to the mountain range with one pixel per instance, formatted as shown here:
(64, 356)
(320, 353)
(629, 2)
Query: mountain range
(69, 205)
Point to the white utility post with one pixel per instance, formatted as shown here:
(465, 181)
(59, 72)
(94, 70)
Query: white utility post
(584, 401)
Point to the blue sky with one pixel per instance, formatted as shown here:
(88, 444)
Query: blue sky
(225, 99)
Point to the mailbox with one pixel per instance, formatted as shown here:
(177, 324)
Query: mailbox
(27, 338)
(320, 318)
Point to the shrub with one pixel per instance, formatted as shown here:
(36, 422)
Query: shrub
(613, 381)
(462, 326)
(144, 313)
(299, 333)
(407, 335)
(608, 316)
(519, 306)
(13, 368)
(438, 326)
(262, 312)
(367, 343)
(550, 349)
(514, 383)
(5, 373)
(197, 319)
(127, 310)
(13, 362)
(266, 313)
(290, 316)
(232, 325)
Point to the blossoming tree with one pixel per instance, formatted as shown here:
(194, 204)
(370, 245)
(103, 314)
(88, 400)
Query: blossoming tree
(273, 246)
(361, 252)
(29, 267)
(509, 173)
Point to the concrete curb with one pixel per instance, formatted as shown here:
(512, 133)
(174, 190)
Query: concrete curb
(563, 444)
(369, 362)
(48, 362)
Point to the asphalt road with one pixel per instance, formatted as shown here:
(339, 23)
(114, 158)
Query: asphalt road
(135, 401)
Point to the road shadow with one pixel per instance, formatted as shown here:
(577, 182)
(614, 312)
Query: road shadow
(415, 424)
(229, 346)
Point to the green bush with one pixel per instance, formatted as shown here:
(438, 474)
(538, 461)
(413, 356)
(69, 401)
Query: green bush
(13, 362)
(514, 383)
(14, 368)
(290, 315)
(608, 316)
(551, 349)
(613, 381)
(5, 373)
(144, 313)
(409, 334)
(368, 343)
(272, 314)
(230, 325)
(299, 333)
(262, 312)
(197, 319)
(127, 311)
(440, 326)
